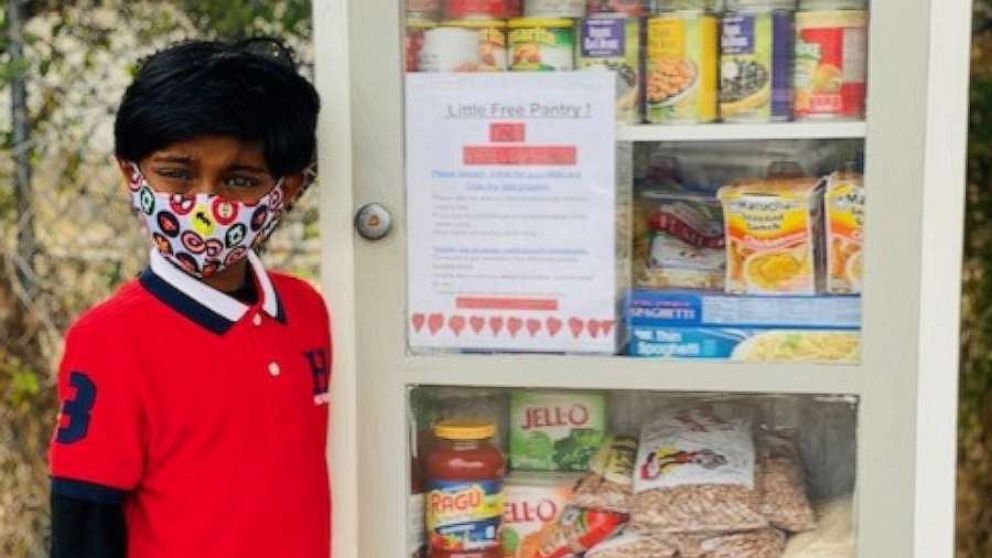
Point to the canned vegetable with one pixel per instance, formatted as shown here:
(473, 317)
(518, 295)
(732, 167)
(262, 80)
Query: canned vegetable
(492, 42)
(450, 49)
(481, 9)
(636, 8)
(612, 42)
(756, 66)
(555, 8)
(681, 69)
(413, 43)
(538, 44)
(831, 64)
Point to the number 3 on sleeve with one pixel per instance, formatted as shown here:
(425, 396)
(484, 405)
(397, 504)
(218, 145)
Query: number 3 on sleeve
(77, 410)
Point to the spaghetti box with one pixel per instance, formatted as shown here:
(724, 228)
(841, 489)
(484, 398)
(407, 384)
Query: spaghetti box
(684, 324)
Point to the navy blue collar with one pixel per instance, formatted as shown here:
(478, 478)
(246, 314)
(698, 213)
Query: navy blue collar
(204, 305)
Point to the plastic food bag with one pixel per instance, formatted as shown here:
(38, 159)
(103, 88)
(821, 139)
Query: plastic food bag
(578, 530)
(763, 543)
(608, 484)
(631, 544)
(695, 472)
(834, 538)
(781, 485)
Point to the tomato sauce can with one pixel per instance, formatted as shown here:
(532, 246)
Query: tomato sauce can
(492, 42)
(756, 65)
(542, 45)
(633, 8)
(831, 64)
(413, 43)
(681, 68)
(612, 42)
(482, 9)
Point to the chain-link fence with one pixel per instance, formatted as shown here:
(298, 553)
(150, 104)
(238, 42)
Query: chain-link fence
(67, 237)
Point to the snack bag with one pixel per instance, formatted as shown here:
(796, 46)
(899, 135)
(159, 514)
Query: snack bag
(577, 531)
(695, 472)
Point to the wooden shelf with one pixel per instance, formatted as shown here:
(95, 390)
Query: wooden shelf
(743, 132)
(593, 372)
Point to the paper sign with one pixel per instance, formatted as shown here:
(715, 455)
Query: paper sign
(511, 209)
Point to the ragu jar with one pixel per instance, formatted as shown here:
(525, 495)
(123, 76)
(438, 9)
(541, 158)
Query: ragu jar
(465, 474)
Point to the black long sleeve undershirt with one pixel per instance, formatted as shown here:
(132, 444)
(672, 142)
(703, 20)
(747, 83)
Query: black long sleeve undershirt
(87, 529)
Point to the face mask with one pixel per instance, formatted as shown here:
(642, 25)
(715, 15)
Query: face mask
(203, 234)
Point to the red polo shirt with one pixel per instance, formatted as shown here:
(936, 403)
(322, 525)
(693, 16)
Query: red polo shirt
(205, 416)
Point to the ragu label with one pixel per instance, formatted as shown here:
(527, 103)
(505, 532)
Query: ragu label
(532, 502)
(464, 515)
(555, 431)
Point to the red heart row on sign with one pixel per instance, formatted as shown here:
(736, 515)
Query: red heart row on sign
(513, 325)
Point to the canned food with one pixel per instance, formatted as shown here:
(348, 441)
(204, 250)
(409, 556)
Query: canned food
(688, 5)
(831, 64)
(449, 49)
(428, 10)
(612, 42)
(681, 68)
(555, 8)
(538, 44)
(481, 9)
(756, 66)
(413, 43)
(492, 42)
(634, 8)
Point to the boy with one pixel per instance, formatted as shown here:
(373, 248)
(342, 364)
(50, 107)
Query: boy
(194, 401)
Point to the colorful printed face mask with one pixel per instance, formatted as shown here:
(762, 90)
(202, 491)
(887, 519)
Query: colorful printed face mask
(204, 233)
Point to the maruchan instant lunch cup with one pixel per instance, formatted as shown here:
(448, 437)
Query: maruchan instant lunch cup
(756, 61)
(831, 63)
(539, 44)
(681, 68)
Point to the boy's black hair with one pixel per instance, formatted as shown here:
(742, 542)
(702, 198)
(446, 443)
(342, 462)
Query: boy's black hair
(249, 89)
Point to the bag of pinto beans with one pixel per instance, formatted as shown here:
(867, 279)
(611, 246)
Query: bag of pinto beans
(698, 484)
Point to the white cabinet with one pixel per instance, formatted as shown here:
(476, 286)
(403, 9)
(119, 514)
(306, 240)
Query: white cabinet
(900, 392)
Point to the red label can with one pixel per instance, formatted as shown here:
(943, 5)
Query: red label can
(482, 9)
(831, 64)
(635, 8)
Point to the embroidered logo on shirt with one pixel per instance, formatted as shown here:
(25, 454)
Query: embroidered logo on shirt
(317, 358)
(77, 410)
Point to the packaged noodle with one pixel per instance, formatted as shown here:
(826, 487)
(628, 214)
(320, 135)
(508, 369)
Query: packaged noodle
(781, 485)
(532, 501)
(607, 486)
(632, 544)
(844, 203)
(578, 530)
(679, 242)
(774, 240)
(695, 472)
(761, 543)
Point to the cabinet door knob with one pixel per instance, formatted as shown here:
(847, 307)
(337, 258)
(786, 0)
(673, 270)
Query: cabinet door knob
(373, 221)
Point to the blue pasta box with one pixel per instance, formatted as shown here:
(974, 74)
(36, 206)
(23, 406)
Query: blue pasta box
(685, 324)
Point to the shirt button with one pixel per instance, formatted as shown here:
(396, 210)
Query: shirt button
(274, 369)
(257, 319)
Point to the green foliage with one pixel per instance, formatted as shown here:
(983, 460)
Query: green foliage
(236, 19)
